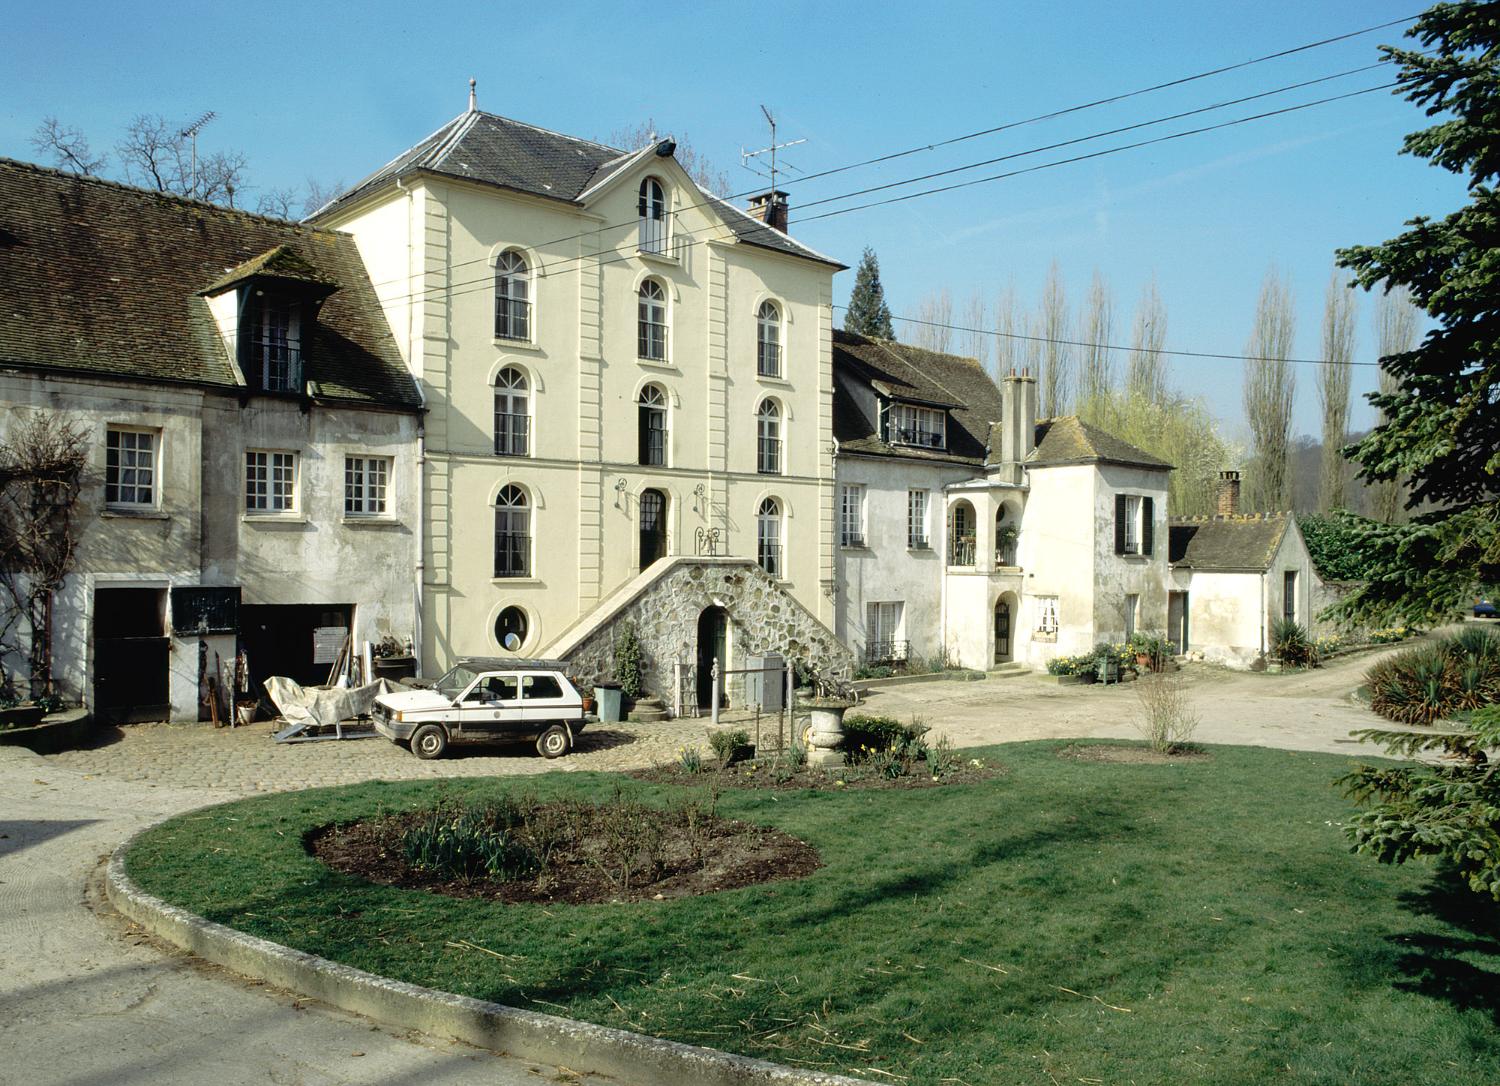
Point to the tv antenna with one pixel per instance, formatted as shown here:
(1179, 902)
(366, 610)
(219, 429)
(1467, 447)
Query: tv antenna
(190, 131)
(746, 156)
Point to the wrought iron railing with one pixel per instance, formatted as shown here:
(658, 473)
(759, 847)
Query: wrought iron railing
(961, 551)
(887, 652)
(274, 365)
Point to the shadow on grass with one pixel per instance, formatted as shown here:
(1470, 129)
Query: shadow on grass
(1461, 969)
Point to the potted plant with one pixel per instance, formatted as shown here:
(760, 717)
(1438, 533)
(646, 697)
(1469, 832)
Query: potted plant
(1106, 663)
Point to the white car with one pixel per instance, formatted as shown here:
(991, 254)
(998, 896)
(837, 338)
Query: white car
(486, 700)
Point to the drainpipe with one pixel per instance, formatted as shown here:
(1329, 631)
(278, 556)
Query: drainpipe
(421, 542)
(1264, 616)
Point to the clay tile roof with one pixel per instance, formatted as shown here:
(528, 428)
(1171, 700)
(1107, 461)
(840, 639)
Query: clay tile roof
(1246, 542)
(509, 154)
(101, 278)
(1070, 440)
(907, 374)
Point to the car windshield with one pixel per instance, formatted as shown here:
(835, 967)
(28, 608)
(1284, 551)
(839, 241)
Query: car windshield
(453, 684)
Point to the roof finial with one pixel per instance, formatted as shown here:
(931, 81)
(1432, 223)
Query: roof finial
(473, 107)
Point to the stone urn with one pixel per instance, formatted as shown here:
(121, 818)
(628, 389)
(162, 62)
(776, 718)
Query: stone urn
(825, 734)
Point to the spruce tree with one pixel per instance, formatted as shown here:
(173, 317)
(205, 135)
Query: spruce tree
(868, 315)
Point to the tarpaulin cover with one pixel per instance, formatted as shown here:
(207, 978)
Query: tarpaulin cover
(323, 705)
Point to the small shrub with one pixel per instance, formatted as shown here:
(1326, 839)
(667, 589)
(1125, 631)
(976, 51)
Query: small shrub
(467, 843)
(873, 732)
(689, 760)
(1163, 713)
(51, 703)
(940, 757)
(628, 662)
(729, 746)
(875, 671)
(1390, 635)
(794, 756)
(1291, 645)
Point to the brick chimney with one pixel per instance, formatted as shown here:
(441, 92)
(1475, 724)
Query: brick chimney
(770, 208)
(1229, 493)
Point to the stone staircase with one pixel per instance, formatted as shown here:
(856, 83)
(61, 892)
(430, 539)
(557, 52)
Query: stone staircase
(1008, 671)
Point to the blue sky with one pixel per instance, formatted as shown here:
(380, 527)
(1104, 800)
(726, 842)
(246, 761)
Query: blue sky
(333, 91)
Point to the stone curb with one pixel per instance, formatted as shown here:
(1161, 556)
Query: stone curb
(547, 1038)
(904, 680)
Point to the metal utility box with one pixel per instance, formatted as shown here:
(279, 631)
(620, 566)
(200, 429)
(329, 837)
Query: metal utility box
(765, 681)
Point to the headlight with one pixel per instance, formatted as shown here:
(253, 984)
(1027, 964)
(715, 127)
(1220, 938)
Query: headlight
(398, 716)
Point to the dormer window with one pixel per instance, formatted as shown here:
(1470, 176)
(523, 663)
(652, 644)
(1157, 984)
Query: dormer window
(651, 207)
(271, 352)
(908, 424)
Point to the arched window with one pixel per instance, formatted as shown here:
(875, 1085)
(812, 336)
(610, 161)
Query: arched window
(768, 536)
(652, 209)
(512, 623)
(512, 297)
(512, 533)
(961, 530)
(768, 340)
(1007, 534)
(512, 421)
(653, 426)
(652, 326)
(768, 438)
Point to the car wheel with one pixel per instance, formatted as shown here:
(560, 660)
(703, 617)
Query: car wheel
(553, 743)
(429, 741)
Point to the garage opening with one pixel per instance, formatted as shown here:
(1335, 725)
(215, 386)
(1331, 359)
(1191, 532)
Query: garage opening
(299, 641)
(131, 654)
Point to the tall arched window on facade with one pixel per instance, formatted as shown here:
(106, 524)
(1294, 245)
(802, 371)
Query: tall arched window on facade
(512, 297)
(512, 533)
(961, 534)
(768, 340)
(652, 209)
(768, 438)
(653, 426)
(652, 325)
(768, 536)
(512, 418)
(653, 526)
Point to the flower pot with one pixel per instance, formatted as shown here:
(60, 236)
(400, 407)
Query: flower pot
(1107, 670)
(590, 705)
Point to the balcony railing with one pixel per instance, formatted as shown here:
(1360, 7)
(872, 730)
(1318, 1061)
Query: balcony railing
(274, 365)
(910, 435)
(887, 652)
(961, 551)
(1006, 555)
(658, 239)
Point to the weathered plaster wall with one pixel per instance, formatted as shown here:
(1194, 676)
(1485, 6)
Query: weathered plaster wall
(1059, 546)
(1117, 575)
(1225, 616)
(763, 618)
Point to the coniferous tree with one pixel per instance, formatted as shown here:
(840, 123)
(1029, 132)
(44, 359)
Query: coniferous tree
(868, 315)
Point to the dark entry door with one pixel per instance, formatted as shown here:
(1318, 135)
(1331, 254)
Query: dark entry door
(1002, 632)
(653, 526)
(131, 651)
(713, 626)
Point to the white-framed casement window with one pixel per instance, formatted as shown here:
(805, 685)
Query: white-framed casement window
(651, 433)
(272, 351)
(916, 520)
(885, 635)
(768, 438)
(512, 419)
(270, 481)
(1133, 524)
(512, 533)
(907, 424)
(366, 486)
(651, 208)
(768, 536)
(852, 515)
(130, 468)
(1132, 610)
(768, 340)
(512, 297)
(651, 331)
(1046, 611)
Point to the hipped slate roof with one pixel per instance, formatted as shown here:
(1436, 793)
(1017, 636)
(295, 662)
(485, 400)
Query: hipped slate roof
(1070, 440)
(911, 374)
(97, 277)
(1227, 543)
(494, 150)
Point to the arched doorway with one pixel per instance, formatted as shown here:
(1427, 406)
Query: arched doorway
(713, 644)
(1003, 629)
(653, 526)
(1007, 534)
(961, 534)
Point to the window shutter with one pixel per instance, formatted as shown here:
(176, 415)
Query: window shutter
(644, 435)
(1147, 516)
(1119, 523)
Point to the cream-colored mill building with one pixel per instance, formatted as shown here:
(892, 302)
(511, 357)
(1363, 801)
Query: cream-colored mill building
(617, 369)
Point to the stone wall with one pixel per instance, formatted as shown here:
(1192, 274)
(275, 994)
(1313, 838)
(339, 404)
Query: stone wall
(763, 618)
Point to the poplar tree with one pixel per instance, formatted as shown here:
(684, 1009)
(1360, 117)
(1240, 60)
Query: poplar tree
(868, 315)
(1335, 377)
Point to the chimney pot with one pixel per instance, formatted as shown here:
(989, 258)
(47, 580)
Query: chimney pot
(770, 208)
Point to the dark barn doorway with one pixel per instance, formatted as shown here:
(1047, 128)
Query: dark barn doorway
(131, 653)
(292, 640)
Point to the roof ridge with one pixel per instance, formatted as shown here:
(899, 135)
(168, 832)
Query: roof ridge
(444, 146)
(168, 197)
(548, 131)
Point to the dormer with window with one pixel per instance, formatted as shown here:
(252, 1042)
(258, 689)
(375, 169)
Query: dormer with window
(265, 310)
(915, 424)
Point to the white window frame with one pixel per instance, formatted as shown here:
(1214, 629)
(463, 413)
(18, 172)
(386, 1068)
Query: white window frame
(1047, 618)
(1133, 507)
(272, 482)
(909, 424)
(852, 515)
(651, 210)
(273, 357)
(151, 469)
(768, 443)
(511, 393)
(1132, 613)
(768, 325)
(514, 522)
(885, 621)
(513, 297)
(769, 551)
(917, 536)
(653, 322)
(367, 486)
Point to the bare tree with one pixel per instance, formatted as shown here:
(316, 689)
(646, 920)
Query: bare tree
(279, 203)
(935, 319)
(1335, 377)
(42, 466)
(1270, 390)
(1055, 379)
(1395, 333)
(707, 175)
(156, 153)
(1096, 375)
(974, 340)
(68, 147)
(1147, 377)
(1009, 324)
(316, 194)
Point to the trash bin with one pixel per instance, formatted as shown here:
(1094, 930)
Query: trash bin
(610, 697)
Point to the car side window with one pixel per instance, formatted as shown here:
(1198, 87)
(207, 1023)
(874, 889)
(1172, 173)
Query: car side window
(541, 686)
(502, 687)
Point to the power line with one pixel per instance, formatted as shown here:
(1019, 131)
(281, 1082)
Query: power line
(1118, 347)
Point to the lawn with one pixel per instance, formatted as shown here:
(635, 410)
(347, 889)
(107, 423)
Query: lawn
(1067, 922)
